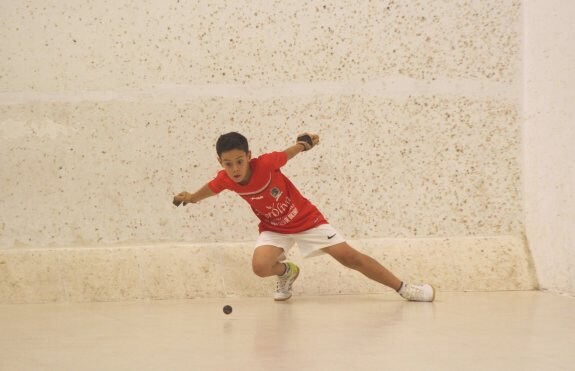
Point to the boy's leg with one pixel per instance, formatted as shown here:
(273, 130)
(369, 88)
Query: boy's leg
(364, 264)
(265, 261)
(353, 259)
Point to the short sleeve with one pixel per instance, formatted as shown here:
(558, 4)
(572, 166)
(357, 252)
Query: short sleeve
(219, 183)
(274, 160)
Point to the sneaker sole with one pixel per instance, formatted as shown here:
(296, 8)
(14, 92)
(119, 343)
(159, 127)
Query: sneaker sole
(289, 297)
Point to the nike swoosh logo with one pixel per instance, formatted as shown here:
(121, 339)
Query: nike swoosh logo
(332, 236)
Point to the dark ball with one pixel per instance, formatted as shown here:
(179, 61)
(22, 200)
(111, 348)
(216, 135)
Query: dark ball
(227, 309)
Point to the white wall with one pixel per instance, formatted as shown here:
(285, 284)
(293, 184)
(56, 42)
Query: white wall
(549, 140)
(108, 108)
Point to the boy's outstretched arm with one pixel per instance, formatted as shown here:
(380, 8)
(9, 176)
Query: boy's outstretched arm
(304, 142)
(187, 198)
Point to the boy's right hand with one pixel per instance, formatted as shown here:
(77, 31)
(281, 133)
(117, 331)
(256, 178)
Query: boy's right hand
(184, 197)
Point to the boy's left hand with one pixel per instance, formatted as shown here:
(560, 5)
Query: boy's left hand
(308, 140)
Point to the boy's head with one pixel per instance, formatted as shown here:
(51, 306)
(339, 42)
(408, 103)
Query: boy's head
(234, 156)
(229, 141)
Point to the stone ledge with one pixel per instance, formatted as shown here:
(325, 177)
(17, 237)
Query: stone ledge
(184, 271)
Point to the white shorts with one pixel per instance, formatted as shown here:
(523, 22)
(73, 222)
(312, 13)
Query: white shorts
(310, 242)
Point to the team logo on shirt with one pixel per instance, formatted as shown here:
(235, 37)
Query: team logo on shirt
(276, 193)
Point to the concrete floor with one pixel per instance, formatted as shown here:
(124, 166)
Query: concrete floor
(461, 331)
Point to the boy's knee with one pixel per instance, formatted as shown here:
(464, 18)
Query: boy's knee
(261, 268)
(264, 259)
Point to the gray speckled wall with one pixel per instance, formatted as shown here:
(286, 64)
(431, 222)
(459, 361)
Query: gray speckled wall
(109, 108)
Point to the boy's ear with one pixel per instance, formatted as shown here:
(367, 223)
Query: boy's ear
(249, 155)
(220, 160)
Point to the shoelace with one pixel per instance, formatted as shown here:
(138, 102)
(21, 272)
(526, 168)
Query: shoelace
(414, 292)
(281, 285)
(282, 280)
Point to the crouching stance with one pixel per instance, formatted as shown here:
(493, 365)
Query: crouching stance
(286, 217)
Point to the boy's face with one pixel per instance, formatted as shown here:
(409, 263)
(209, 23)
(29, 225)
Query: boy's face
(236, 163)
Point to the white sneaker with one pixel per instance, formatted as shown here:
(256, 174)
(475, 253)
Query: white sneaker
(412, 292)
(285, 281)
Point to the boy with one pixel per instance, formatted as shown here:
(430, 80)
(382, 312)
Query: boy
(287, 217)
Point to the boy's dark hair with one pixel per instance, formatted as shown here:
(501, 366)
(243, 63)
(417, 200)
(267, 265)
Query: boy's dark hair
(231, 141)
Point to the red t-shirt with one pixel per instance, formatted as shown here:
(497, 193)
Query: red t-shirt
(274, 199)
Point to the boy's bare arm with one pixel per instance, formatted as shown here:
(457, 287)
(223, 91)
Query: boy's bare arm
(304, 142)
(187, 198)
(293, 150)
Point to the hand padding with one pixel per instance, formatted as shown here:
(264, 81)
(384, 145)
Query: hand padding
(181, 197)
(308, 140)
